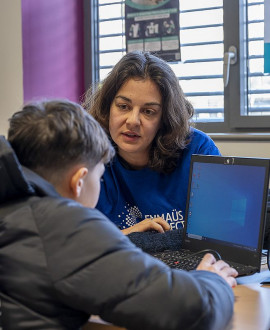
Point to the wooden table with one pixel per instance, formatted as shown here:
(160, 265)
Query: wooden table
(252, 303)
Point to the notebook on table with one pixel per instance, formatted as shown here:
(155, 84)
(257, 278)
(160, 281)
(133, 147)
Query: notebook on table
(225, 213)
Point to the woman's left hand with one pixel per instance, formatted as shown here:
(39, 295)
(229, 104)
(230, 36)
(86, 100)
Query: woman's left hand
(158, 224)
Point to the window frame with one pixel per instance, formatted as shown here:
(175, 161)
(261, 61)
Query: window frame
(235, 93)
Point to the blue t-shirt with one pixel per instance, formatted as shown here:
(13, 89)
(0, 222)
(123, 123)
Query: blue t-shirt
(129, 196)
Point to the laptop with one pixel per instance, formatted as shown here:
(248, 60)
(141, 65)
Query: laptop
(225, 213)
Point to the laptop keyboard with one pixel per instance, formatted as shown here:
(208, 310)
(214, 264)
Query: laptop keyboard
(242, 269)
(179, 259)
(186, 260)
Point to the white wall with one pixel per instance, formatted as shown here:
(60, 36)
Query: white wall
(11, 77)
(244, 149)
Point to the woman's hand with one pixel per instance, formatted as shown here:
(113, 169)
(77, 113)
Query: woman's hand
(219, 267)
(158, 224)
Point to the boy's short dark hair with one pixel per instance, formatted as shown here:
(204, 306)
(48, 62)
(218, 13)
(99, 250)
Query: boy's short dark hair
(53, 135)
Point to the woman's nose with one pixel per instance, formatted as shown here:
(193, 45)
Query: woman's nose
(133, 117)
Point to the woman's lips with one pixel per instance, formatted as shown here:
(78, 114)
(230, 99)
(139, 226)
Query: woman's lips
(130, 136)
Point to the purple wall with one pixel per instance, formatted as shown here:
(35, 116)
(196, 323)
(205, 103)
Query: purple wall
(52, 49)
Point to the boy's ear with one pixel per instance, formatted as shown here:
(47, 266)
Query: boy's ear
(77, 181)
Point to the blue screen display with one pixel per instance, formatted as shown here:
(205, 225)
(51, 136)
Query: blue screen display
(226, 203)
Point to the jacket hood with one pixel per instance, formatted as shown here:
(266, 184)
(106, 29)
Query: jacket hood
(13, 182)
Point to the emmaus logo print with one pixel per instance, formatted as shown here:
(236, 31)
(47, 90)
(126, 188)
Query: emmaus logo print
(132, 215)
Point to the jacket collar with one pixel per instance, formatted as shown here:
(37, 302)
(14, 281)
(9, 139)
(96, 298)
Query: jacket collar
(18, 181)
(40, 185)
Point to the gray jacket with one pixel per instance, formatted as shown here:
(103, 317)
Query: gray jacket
(61, 262)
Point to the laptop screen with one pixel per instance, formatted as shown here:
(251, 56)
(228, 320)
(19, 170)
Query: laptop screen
(226, 201)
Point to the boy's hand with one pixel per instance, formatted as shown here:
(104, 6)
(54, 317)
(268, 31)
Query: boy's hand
(158, 224)
(220, 267)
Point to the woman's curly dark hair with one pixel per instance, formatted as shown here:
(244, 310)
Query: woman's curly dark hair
(177, 111)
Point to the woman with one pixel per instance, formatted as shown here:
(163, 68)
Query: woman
(145, 113)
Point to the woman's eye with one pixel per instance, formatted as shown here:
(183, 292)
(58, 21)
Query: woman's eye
(149, 112)
(123, 106)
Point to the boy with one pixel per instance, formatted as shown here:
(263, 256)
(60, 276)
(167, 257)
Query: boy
(61, 260)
